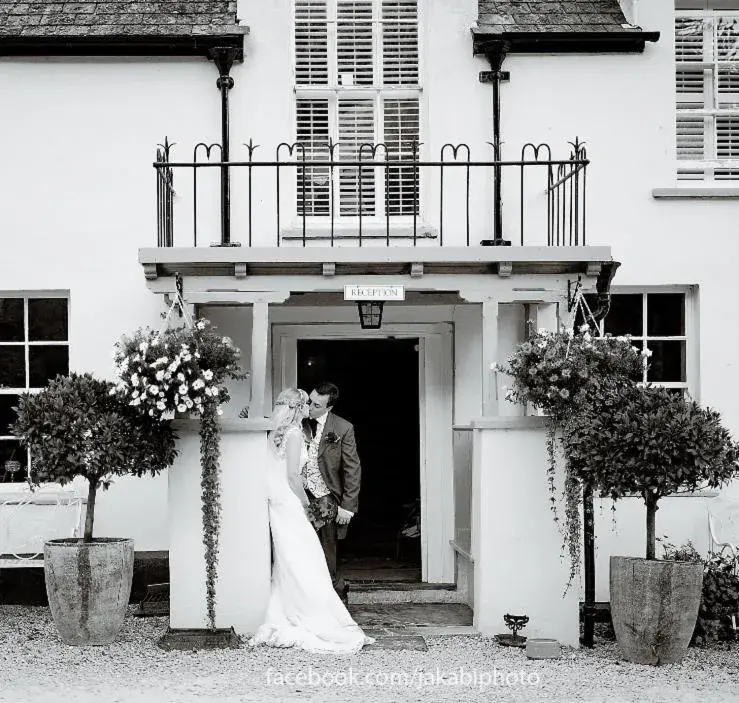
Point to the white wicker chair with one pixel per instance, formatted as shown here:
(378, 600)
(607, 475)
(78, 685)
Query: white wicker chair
(723, 527)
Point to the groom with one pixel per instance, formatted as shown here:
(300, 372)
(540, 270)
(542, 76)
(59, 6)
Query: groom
(332, 473)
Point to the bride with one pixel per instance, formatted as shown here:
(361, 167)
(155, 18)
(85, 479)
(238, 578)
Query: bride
(304, 610)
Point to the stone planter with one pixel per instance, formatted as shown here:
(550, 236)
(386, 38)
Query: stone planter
(654, 607)
(88, 587)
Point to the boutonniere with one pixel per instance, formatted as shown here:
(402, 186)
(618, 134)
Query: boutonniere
(332, 437)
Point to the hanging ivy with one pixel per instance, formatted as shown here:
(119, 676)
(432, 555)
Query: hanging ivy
(552, 371)
(183, 370)
(210, 483)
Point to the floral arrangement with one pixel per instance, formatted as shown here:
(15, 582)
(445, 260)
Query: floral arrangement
(552, 371)
(184, 369)
(177, 369)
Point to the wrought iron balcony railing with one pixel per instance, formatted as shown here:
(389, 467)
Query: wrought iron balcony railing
(305, 195)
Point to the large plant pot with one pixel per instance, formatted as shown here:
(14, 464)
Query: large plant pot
(654, 607)
(88, 586)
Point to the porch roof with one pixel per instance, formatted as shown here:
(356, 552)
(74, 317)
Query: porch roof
(242, 262)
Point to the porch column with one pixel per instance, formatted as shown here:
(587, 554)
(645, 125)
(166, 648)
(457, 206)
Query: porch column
(489, 356)
(259, 340)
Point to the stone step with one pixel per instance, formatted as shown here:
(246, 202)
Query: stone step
(358, 596)
(413, 618)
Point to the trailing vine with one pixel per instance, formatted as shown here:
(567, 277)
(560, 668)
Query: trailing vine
(554, 371)
(210, 483)
(183, 370)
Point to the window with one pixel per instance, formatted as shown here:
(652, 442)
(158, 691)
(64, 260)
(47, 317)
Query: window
(657, 321)
(356, 83)
(34, 348)
(707, 86)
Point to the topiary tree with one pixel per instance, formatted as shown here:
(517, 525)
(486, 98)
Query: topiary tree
(78, 426)
(628, 439)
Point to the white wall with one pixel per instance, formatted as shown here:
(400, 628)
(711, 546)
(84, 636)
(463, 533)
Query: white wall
(78, 139)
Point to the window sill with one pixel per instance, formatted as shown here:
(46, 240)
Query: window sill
(700, 193)
(370, 230)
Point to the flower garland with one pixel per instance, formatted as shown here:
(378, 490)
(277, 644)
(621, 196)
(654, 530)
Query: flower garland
(551, 371)
(180, 370)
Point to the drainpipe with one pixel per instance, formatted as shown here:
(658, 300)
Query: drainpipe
(603, 304)
(495, 52)
(224, 57)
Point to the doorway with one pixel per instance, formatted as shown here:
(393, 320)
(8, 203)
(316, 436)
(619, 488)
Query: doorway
(378, 380)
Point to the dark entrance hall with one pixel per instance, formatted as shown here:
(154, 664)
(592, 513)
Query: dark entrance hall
(379, 395)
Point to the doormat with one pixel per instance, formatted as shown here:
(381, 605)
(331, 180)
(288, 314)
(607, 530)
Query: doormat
(397, 642)
(189, 639)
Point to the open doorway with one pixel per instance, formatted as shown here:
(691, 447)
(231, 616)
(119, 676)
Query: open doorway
(378, 380)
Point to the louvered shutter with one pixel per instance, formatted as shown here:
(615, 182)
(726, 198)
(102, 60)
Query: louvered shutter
(313, 187)
(355, 63)
(727, 97)
(311, 42)
(401, 132)
(690, 82)
(400, 42)
(356, 127)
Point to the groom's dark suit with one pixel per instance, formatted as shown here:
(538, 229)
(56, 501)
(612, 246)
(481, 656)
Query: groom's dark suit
(339, 465)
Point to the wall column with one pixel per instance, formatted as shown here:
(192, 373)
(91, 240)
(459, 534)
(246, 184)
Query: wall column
(259, 340)
(489, 356)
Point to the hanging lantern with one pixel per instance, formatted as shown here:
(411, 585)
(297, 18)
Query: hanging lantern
(370, 314)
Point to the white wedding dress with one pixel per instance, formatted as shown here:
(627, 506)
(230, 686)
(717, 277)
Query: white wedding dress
(304, 610)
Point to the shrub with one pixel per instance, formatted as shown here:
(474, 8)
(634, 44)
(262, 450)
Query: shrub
(76, 427)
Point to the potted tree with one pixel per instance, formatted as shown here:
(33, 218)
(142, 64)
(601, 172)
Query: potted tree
(78, 426)
(626, 439)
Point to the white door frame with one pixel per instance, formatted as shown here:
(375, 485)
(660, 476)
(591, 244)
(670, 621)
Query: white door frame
(436, 391)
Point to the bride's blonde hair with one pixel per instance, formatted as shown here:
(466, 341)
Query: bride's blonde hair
(287, 413)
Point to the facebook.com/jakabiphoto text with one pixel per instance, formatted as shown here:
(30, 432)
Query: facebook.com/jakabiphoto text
(415, 678)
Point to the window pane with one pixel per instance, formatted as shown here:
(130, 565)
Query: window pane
(665, 314)
(11, 320)
(45, 362)
(12, 366)
(47, 319)
(667, 362)
(11, 452)
(625, 315)
(7, 414)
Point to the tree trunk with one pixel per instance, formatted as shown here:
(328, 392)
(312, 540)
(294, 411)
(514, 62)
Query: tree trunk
(651, 501)
(90, 512)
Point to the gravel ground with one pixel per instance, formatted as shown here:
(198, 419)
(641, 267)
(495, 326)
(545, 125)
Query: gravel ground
(35, 666)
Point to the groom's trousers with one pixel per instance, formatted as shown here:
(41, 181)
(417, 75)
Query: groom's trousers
(328, 536)
(330, 542)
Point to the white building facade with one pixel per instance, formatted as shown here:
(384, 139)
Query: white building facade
(93, 236)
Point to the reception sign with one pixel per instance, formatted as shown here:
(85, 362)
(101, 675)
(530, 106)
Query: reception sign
(378, 293)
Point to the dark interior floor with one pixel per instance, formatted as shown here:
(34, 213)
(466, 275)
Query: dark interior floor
(377, 569)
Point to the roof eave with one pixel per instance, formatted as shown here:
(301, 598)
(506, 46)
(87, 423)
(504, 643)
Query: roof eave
(565, 42)
(121, 45)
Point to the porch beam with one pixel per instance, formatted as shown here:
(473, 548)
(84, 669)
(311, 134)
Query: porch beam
(227, 297)
(259, 337)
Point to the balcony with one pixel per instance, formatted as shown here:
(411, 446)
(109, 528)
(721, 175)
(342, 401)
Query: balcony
(302, 195)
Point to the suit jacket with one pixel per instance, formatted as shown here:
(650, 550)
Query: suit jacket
(338, 462)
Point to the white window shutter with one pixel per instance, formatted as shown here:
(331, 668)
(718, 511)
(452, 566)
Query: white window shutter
(727, 146)
(690, 84)
(311, 42)
(313, 187)
(401, 123)
(400, 42)
(727, 50)
(354, 43)
(356, 127)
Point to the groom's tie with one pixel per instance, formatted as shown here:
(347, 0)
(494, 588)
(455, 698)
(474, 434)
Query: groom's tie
(313, 426)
